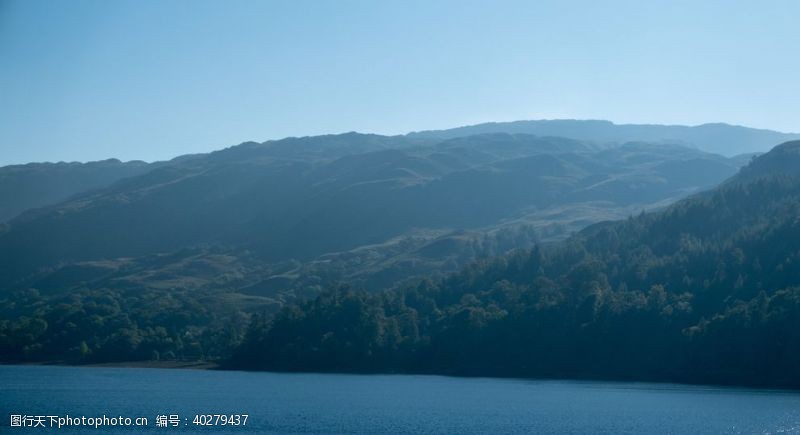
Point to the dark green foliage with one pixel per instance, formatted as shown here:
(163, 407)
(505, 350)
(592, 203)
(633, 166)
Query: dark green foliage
(172, 263)
(110, 325)
(706, 291)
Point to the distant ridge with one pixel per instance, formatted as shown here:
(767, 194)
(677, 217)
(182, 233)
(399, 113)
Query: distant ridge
(719, 138)
(33, 185)
(301, 198)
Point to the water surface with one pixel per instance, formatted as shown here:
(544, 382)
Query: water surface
(321, 403)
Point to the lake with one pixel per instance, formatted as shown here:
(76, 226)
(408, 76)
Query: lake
(323, 403)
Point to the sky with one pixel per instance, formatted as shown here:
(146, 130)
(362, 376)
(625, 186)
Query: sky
(150, 80)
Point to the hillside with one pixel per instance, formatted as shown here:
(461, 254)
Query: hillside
(707, 290)
(24, 187)
(300, 199)
(174, 261)
(724, 139)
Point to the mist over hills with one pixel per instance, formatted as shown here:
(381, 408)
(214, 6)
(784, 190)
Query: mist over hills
(719, 138)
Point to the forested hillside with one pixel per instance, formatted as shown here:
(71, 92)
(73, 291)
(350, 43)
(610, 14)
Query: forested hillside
(707, 290)
(322, 200)
(173, 262)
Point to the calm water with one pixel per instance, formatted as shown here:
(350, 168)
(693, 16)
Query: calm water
(310, 403)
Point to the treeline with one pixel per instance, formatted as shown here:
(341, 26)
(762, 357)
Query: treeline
(98, 323)
(111, 325)
(706, 291)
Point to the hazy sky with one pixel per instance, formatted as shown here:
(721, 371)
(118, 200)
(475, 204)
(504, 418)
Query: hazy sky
(87, 80)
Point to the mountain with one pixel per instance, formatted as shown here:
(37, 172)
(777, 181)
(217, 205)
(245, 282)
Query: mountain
(35, 185)
(782, 160)
(706, 290)
(299, 199)
(724, 139)
(173, 262)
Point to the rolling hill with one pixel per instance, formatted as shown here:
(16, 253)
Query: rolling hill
(707, 290)
(172, 263)
(316, 200)
(35, 185)
(719, 138)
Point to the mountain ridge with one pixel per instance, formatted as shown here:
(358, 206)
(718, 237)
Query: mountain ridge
(32, 185)
(276, 199)
(176, 261)
(705, 291)
(720, 138)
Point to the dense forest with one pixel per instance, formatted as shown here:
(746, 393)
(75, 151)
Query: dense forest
(707, 290)
(116, 325)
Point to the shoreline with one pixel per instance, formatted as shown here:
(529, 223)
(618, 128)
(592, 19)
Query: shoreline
(208, 365)
(187, 365)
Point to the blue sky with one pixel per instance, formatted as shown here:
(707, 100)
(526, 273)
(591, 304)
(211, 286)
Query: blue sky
(87, 80)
